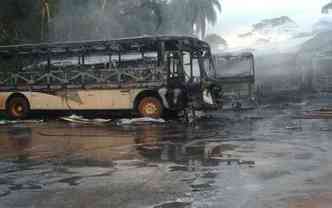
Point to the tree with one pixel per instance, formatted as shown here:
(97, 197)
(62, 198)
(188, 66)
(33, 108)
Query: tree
(175, 18)
(45, 18)
(19, 21)
(106, 19)
(146, 11)
(327, 8)
(203, 12)
(196, 14)
(155, 8)
(61, 20)
(25, 21)
(215, 40)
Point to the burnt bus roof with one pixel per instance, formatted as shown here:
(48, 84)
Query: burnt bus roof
(239, 55)
(142, 43)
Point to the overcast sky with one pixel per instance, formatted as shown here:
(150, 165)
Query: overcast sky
(237, 14)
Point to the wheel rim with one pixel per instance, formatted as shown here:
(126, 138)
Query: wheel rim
(150, 107)
(17, 110)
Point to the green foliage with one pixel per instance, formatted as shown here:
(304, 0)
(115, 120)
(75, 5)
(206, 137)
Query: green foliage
(192, 16)
(19, 21)
(105, 19)
(23, 21)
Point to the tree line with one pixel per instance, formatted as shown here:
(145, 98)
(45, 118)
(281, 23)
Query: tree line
(327, 8)
(66, 20)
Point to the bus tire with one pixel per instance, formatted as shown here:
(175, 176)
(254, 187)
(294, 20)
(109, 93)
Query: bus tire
(17, 108)
(150, 107)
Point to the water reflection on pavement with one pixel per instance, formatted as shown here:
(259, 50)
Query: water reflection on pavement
(262, 158)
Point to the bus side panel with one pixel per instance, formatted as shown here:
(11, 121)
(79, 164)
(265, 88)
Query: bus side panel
(44, 101)
(84, 100)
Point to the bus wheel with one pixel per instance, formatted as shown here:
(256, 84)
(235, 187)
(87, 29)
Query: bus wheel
(150, 107)
(17, 108)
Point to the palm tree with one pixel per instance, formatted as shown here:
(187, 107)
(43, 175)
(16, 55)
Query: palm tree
(45, 18)
(201, 13)
(48, 9)
(155, 7)
(194, 14)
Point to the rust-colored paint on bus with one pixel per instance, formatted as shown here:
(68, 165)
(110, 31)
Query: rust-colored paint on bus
(2, 102)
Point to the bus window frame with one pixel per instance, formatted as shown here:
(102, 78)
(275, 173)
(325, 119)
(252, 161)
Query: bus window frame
(47, 53)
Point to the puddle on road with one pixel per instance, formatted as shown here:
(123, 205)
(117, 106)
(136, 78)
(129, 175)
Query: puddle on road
(323, 200)
(97, 146)
(59, 149)
(208, 158)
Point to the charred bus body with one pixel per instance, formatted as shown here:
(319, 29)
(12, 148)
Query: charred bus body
(147, 75)
(236, 72)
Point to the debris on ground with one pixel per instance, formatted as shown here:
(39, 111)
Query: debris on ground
(190, 116)
(81, 120)
(325, 129)
(320, 114)
(6, 122)
(179, 203)
(139, 121)
(254, 117)
(295, 126)
(4, 191)
(230, 161)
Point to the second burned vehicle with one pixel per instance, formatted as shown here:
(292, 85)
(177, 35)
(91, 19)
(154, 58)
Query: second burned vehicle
(236, 73)
(150, 75)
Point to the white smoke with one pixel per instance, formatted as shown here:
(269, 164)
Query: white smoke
(324, 24)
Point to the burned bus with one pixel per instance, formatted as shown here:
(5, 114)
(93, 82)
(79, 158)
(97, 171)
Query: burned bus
(149, 75)
(236, 72)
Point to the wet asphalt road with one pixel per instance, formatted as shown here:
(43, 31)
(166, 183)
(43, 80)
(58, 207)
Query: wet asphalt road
(260, 158)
